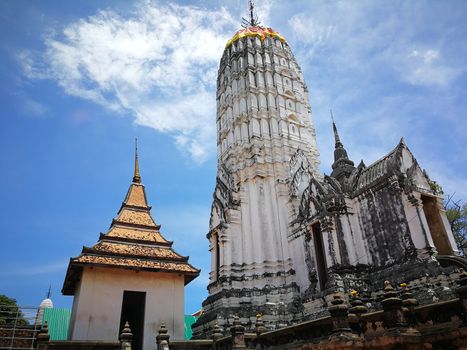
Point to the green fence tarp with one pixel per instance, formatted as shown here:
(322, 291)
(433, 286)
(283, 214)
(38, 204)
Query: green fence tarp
(189, 320)
(58, 321)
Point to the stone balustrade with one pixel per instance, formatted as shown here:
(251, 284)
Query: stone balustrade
(402, 324)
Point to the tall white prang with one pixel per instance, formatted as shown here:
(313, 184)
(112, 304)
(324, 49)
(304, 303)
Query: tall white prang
(266, 147)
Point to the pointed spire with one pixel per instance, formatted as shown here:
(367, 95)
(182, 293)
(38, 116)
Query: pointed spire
(336, 134)
(342, 166)
(136, 177)
(340, 151)
(48, 293)
(252, 12)
(136, 195)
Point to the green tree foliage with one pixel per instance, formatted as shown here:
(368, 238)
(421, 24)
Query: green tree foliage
(457, 217)
(10, 312)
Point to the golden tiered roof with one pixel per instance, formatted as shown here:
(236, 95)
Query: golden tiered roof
(133, 241)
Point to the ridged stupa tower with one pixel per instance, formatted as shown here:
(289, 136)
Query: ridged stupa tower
(266, 148)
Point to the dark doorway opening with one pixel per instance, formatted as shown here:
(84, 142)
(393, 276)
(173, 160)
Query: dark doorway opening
(320, 257)
(133, 306)
(436, 225)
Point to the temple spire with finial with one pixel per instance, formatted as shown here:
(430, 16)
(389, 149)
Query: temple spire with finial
(342, 166)
(253, 21)
(136, 195)
(137, 176)
(252, 12)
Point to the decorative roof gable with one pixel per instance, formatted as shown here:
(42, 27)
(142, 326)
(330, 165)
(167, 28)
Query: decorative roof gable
(324, 196)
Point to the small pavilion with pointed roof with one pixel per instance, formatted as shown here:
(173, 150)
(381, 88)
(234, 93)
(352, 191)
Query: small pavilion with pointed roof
(131, 274)
(375, 222)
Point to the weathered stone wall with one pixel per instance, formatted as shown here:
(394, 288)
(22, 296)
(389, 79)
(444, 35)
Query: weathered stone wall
(384, 226)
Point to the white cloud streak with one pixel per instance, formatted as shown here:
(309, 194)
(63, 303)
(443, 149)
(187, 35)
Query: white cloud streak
(425, 67)
(368, 35)
(158, 65)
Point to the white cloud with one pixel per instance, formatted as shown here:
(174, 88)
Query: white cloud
(425, 67)
(159, 65)
(310, 32)
(263, 11)
(33, 108)
(372, 36)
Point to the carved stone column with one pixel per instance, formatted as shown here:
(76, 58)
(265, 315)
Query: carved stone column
(162, 338)
(43, 337)
(409, 303)
(217, 334)
(339, 314)
(392, 306)
(329, 240)
(125, 337)
(356, 311)
(238, 334)
(419, 230)
(259, 325)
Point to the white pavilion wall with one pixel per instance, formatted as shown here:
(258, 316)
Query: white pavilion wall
(97, 305)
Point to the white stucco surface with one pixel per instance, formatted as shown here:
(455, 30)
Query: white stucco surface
(263, 120)
(98, 302)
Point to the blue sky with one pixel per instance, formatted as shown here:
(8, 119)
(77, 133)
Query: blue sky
(80, 80)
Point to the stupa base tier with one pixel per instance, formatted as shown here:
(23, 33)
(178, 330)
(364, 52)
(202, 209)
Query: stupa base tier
(277, 305)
